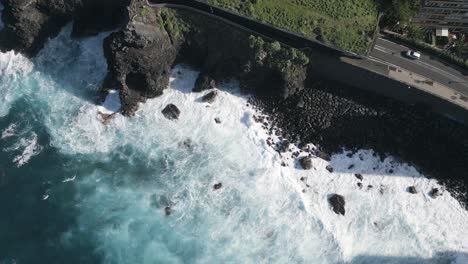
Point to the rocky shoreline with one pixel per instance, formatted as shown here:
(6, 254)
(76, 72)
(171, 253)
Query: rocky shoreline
(306, 107)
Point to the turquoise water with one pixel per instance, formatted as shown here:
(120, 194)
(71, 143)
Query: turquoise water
(73, 190)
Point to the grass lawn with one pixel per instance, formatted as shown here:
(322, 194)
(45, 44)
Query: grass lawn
(347, 24)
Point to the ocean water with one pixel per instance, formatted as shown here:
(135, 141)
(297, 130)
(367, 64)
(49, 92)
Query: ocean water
(73, 190)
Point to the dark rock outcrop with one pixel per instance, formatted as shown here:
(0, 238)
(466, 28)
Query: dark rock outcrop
(171, 112)
(337, 203)
(29, 23)
(358, 176)
(210, 97)
(217, 186)
(203, 83)
(306, 163)
(329, 169)
(434, 193)
(412, 190)
(140, 58)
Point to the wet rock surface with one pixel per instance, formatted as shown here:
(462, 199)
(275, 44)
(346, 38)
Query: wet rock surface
(412, 190)
(337, 202)
(171, 112)
(210, 97)
(29, 24)
(306, 163)
(336, 116)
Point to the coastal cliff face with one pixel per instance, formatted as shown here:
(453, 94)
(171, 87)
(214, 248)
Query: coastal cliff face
(141, 55)
(29, 23)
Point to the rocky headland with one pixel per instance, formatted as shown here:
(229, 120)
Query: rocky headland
(306, 107)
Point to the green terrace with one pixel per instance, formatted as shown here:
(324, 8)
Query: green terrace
(347, 24)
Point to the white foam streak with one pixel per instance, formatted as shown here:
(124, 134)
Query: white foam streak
(29, 148)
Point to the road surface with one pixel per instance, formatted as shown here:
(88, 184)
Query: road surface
(428, 66)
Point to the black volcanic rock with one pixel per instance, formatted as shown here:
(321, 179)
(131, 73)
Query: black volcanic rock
(29, 24)
(306, 163)
(203, 83)
(140, 58)
(358, 176)
(412, 190)
(337, 203)
(434, 193)
(171, 112)
(210, 97)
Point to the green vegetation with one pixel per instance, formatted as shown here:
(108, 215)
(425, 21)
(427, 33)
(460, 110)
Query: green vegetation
(173, 24)
(347, 24)
(275, 55)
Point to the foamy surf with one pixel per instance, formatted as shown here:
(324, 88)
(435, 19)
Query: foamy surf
(132, 169)
(263, 212)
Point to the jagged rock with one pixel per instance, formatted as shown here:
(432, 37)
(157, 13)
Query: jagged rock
(337, 203)
(171, 112)
(210, 97)
(329, 168)
(217, 186)
(285, 146)
(29, 24)
(359, 184)
(203, 83)
(434, 193)
(324, 155)
(412, 189)
(139, 58)
(306, 163)
(358, 176)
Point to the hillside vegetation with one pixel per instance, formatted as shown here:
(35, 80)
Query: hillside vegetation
(346, 24)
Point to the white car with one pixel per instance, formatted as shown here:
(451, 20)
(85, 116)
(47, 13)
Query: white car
(413, 54)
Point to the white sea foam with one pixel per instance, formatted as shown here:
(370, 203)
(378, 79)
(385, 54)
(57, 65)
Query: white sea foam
(14, 69)
(9, 131)
(261, 215)
(111, 104)
(28, 147)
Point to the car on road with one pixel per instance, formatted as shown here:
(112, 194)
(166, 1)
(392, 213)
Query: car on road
(413, 54)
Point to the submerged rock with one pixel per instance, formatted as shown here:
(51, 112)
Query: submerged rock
(171, 112)
(306, 163)
(338, 204)
(168, 210)
(210, 97)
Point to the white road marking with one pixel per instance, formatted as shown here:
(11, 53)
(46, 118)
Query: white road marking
(384, 50)
(421, 63)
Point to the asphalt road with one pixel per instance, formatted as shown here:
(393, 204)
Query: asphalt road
(428, 66)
